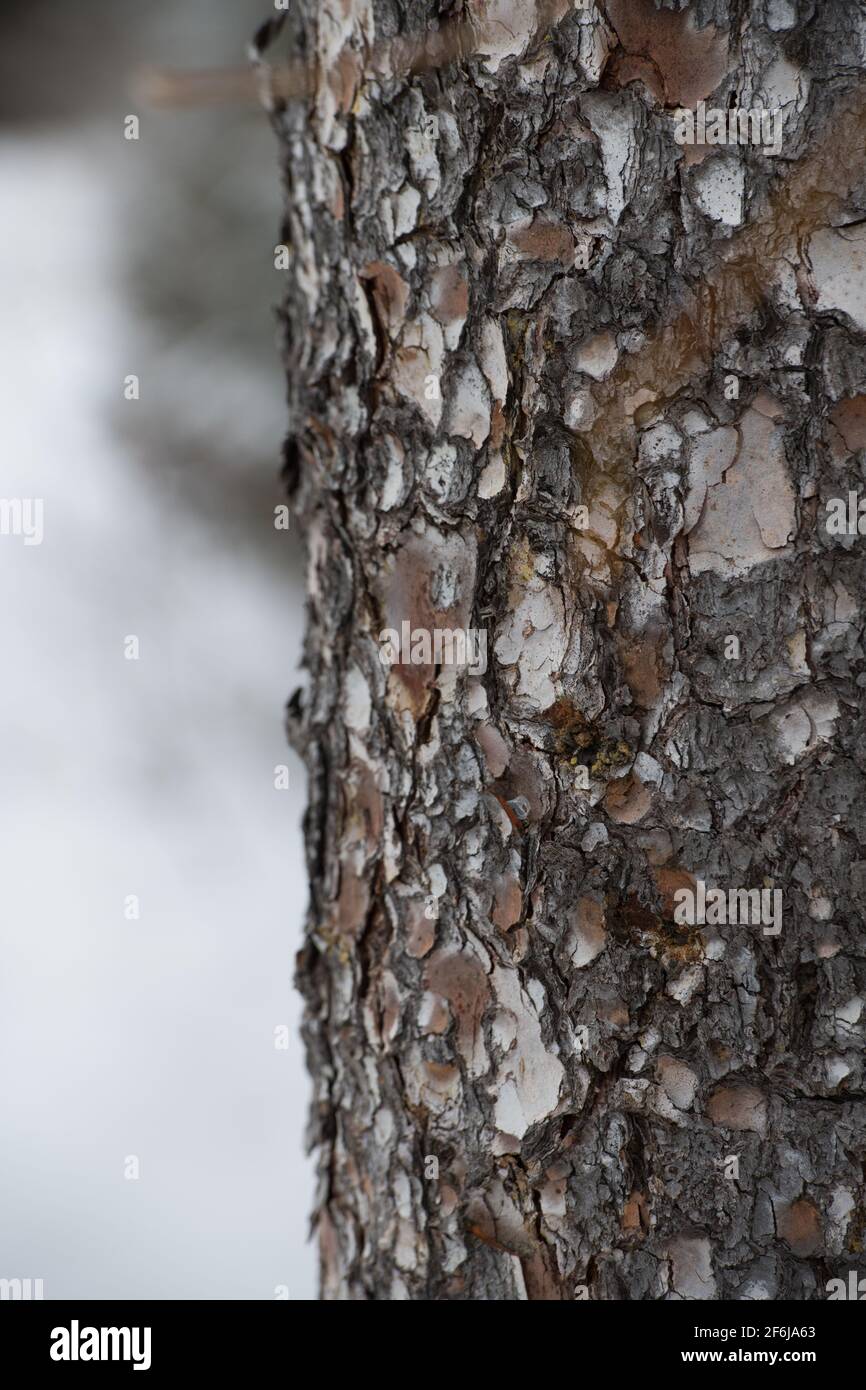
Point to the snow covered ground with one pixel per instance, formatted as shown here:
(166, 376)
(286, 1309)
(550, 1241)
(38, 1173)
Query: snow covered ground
(148, 1039)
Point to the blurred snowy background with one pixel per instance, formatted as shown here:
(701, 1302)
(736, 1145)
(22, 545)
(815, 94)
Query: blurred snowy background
(151, 1038)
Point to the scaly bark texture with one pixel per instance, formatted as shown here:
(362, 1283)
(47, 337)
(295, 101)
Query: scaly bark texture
(556, 376)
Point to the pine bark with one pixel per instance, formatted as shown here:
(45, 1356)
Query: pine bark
(555, 376)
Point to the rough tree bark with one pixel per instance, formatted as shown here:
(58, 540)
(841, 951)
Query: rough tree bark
(513, 296)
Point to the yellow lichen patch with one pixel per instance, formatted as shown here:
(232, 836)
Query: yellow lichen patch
(674, 945)
(522, 563)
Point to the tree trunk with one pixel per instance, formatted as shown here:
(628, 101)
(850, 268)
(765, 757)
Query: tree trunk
(567, 376)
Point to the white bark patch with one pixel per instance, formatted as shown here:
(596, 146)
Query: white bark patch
(837, 1070)
(595, 44)
(367, 333)
(337, 22)
(492, 479)
(602, 521)
(613, 124)
(794, 733)
(659, 443)
(849, 1013)
(587, 937)
(839, 271)
(597, 356)
(393, 486)
(684, 988)
(841, 1207)
(719, 185)
(405, 205)
(823, 710)
(417, 360)
(596, 835)
(801, 726)
(580, 410)
(421, 140)
(749, 515)
(535, 641)
(439, 470)
(506, 28)
(357, 701)
(795, 653)
(678, 1081)
(648, 770)
(821, 910)
(781, 14)
(692, 1267)
(786, 88)
(529, 1077)
(469, 408)
(494, 363)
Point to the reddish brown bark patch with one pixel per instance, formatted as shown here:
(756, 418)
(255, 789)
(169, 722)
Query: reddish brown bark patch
(449, 295)
(353, 904)
(690, 62)
(408, 596)
(848, 427)
(421, 931)
(544, 241)
(365, 810)
(643, 666)
(627, 800)
(669, 882)
(460, 978)
(390, 295)
(739, 1108)
(508, 902)
(799, 1226)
